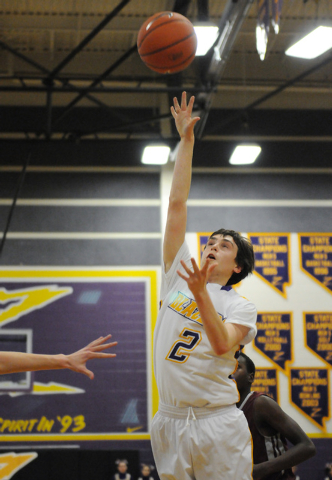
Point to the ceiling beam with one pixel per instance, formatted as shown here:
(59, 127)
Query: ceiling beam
(243, 112)
(85, 41)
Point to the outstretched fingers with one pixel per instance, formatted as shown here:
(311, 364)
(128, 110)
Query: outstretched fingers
(104, 346)
(191, 104)
(99, 341)
(195, 266)
(184, 101)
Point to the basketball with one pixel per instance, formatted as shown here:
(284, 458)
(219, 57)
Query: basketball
(167, 42)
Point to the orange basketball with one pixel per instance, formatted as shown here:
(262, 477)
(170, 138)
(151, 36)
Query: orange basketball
(167, 42)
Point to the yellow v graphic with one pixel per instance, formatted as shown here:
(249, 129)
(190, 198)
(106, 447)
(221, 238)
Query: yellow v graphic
(15, 303)
(10, 463)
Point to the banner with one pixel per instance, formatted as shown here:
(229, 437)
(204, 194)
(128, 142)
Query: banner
(274, 337)
(266, 381)
(272, 254)
(62, 311)
(318, 329)
(310, 393)
(294, 328)
(316, 257)
(202, 239)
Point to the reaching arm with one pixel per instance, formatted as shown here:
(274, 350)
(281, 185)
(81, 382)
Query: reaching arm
(13, 362)
(222, 336)
(269, 419)
(177, 209)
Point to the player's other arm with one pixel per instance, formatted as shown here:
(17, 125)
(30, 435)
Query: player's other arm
(177, 208)
(269, 418)
(13, 362)
(222, 336)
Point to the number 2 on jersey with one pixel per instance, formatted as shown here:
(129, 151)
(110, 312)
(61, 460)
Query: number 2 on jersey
(181, 349)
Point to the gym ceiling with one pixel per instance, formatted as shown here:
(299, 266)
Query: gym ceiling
(70, 72)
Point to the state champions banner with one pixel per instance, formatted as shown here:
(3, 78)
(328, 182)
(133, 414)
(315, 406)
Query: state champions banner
(318, 330)
(266, 381)
(52, 310)
(272, 259)
(316, 257)
(304, 335)
(310, 394)
(274, 338)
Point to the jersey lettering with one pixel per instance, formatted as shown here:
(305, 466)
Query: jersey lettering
(187, 308)
(181, 349)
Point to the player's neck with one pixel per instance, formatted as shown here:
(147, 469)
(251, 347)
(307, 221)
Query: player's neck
(220, 279)
(243, 394)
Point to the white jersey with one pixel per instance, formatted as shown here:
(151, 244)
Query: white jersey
(188, 372)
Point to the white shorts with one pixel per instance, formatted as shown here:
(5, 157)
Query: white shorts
(201, 443)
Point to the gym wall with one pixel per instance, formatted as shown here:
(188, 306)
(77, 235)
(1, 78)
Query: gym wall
(92, 235)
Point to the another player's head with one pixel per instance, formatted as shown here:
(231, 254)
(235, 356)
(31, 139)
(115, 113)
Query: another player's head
(233, 253)
(245, 373)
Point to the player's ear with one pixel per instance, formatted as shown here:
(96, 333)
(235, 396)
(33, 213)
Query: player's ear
(251, 377)
(237, 269)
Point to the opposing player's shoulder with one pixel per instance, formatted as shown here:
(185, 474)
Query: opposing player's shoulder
(266, 400)
(265, 407)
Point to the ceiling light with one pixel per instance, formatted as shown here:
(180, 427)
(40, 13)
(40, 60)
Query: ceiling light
(245, 154)
(206, 36)
(312, 45)
(155, 155)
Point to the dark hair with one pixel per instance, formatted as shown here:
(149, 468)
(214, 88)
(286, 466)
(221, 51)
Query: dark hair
(245, 257)
(250, 366)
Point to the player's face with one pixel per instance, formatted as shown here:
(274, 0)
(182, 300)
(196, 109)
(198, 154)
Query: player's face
(222, 251)
(241, 374)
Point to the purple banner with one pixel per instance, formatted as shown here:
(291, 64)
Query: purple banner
(266, 382)
(318, 327)
(316, 257)
(202, 239)
(272, 253)
(64, 316)
(274, 337)
(310, 393)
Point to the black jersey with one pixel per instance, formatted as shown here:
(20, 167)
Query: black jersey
(265, 448)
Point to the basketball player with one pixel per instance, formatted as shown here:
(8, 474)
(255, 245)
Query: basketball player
(13, 362)
(270, 426)
(201, 323)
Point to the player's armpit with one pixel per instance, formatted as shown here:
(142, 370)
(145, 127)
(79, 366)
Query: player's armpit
(236, 333)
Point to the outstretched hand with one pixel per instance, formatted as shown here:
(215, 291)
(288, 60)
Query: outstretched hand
(77, 361)
(182, 116)
(197, 279)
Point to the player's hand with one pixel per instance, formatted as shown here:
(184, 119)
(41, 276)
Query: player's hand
(182, 116)
(77, 361)
(197, 279)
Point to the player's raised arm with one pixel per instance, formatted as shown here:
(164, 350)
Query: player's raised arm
(13, 362)
(177, 208)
